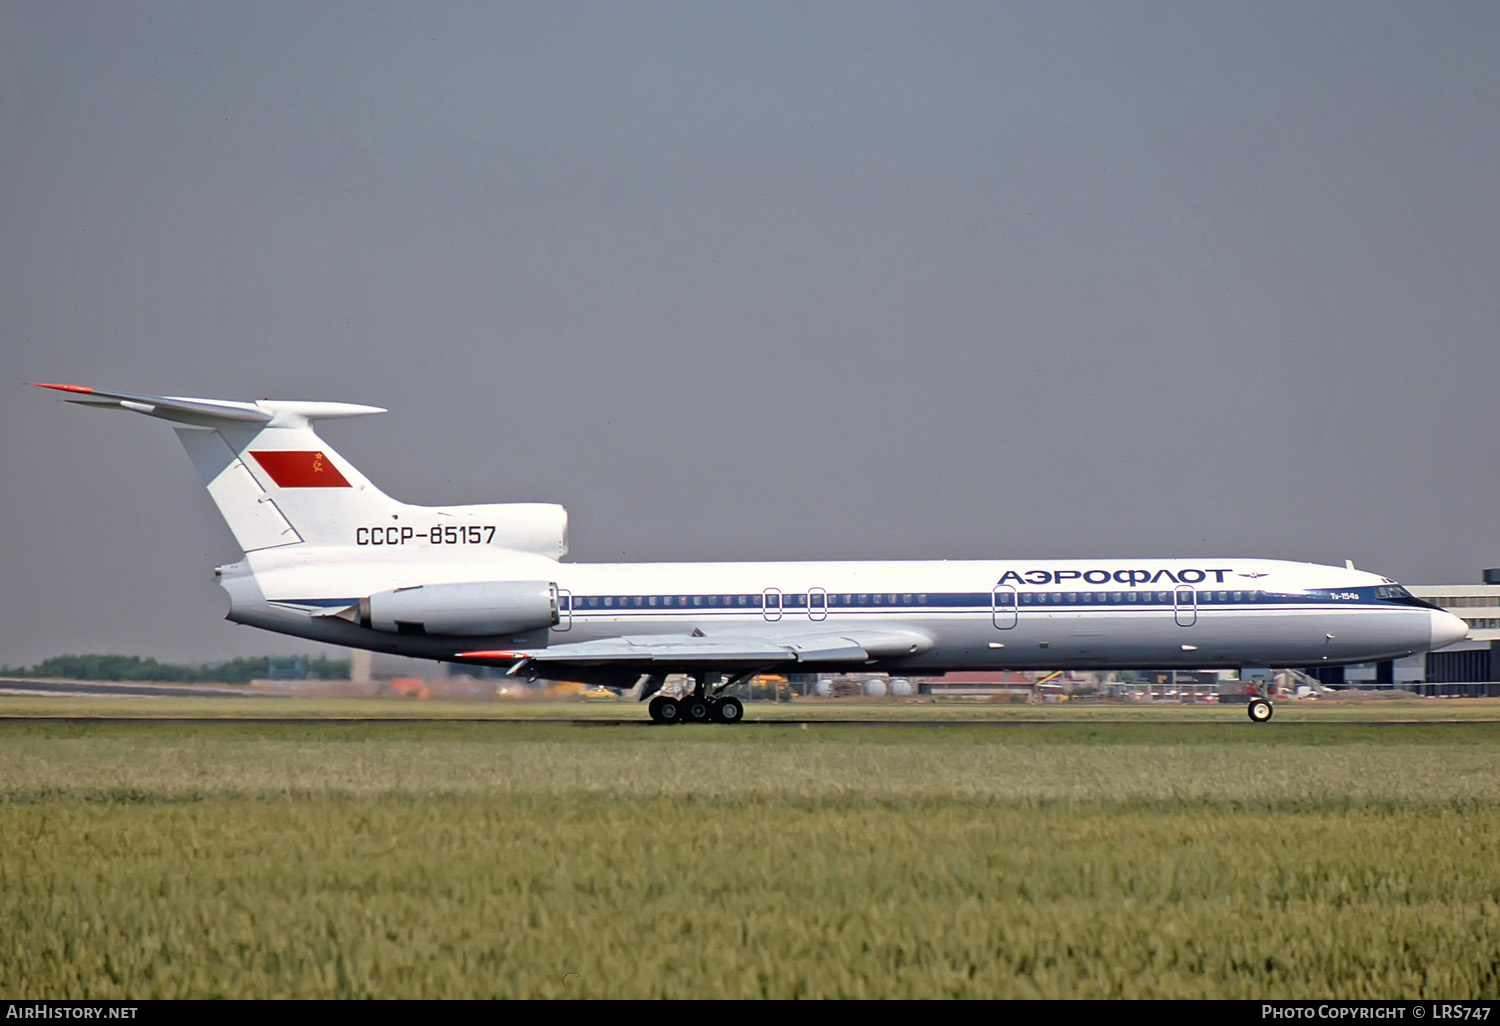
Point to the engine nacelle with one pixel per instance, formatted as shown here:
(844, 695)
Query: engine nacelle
(471, 609)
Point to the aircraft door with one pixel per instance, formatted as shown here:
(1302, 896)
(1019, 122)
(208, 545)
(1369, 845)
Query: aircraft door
(564, 610)
(1185, 604)
(817, 604)
(1003, 606)
(770, 605)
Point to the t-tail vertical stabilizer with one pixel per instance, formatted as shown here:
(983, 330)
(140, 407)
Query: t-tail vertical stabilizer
(277, 483)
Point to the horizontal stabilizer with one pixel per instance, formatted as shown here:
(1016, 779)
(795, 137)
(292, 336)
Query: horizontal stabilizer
(209, 412)
(187, 411)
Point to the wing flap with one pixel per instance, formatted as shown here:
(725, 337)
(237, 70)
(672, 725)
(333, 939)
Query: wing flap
(647, 648)
(759, 649)
(836, 650)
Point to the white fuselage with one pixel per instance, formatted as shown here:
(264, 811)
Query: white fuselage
(1003, 614)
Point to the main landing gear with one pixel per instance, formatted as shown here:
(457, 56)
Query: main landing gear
(688, 709)
(704, 704)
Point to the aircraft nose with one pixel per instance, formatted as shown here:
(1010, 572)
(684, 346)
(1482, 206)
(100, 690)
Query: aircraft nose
(1447, 629)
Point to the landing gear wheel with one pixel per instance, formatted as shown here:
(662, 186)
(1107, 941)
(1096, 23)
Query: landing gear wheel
(665, 709)
(729, 710)
(1259, 709)
(696, 710)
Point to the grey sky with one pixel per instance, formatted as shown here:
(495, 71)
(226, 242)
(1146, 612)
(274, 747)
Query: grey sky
(755, 281)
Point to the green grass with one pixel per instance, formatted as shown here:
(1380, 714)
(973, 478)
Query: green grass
(1085, 859)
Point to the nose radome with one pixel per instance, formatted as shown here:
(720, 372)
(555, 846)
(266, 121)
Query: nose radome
(1447, 629)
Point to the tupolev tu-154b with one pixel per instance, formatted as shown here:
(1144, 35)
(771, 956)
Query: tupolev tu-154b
(329, 557)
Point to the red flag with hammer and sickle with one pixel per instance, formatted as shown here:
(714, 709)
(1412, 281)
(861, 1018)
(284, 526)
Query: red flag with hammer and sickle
(291, 468)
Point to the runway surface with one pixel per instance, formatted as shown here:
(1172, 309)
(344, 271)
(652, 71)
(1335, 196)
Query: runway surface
(628, 716)
(122, 689)
(915, 721)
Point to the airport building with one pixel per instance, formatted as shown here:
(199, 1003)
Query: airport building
(1471, 667)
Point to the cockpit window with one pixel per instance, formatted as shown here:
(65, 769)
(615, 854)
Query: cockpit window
(1396, 593)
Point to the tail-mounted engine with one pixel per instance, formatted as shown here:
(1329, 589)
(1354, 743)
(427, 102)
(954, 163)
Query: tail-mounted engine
(470, 610)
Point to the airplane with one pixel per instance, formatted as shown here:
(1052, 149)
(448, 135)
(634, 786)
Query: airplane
(329, 557)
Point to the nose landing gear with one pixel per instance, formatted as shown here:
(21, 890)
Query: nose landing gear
(1258, 679)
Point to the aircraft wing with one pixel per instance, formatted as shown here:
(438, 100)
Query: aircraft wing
(764, 648)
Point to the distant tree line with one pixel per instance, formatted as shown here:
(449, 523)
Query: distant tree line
(123, 667)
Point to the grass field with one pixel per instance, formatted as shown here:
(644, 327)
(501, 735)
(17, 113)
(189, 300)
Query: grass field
(1142, 858)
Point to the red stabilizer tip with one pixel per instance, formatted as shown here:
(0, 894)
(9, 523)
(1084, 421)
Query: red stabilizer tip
(64, 388)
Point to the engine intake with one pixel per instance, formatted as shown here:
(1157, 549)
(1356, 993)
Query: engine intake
(470, 609)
